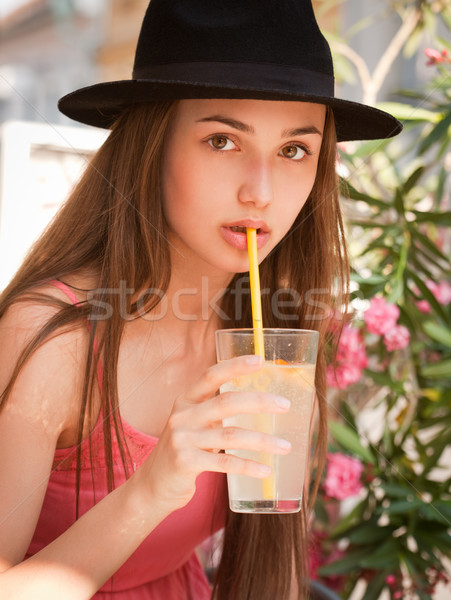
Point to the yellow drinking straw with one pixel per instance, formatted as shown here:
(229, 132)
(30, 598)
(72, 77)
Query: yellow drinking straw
(256, 301)
(257, 321)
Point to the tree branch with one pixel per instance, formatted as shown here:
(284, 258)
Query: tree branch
(357, 61)
(393, 49)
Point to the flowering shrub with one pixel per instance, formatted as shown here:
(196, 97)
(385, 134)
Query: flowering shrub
(379, 319)
(383, 513)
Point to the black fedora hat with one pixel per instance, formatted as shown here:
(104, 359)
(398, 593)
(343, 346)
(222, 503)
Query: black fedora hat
(257, 49)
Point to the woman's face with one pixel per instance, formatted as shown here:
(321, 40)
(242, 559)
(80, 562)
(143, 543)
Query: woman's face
(232, 164)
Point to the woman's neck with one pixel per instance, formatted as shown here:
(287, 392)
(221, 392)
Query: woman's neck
(190, 310)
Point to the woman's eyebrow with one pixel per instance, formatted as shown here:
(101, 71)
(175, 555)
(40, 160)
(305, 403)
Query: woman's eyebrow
(230, 122)
(240, 126)
(301, 131)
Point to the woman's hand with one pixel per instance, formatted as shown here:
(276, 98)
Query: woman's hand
(194, 430)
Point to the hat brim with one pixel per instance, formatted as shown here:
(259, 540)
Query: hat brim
(99, 105)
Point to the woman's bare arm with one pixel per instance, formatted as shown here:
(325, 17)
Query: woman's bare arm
(43, 407)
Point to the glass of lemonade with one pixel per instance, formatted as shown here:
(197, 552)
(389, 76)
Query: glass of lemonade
(289, 371)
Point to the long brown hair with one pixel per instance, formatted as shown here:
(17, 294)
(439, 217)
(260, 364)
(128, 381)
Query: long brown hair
(113, 224)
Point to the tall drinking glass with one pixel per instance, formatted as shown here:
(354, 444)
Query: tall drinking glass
(289, 371)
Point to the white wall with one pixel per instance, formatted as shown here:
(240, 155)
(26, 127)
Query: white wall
(39, 164)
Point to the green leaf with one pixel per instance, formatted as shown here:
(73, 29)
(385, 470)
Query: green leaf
(437, 133)
(429, 296)
(394, 490)
(399, 202)
(375, 586)
(430, 21)
(411, 46)
(369, 533)
(413, 179)
(441, 541)
(431, 513)
(444, 507)
(396, 293)
(437, 333)
(350, 440)
(386, 555)
(351, 563)
(402, 506)
(347, 414)
(384, 379)
(426, 242)
(348, 523)
(440, 443)
(407, 112)
(437, 369)
(348, 191)
(421, 269)
(440, 188)
(374, 279)
(373, 225)
(414, 562)
(439, 218)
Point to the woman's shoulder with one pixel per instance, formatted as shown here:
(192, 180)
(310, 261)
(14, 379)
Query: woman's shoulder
(51, 373)
(30, 312)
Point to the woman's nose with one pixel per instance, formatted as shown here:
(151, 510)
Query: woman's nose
(257, 185)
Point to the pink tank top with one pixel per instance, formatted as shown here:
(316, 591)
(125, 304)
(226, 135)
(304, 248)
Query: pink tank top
(164, 567)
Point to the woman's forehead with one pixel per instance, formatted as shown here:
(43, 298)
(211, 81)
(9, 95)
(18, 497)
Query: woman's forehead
(252, 113)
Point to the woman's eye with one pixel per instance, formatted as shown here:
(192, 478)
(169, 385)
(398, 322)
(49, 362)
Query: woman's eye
(294, 152)
(221, 142)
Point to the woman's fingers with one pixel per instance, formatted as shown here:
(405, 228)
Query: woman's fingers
(230, 404)
(228, 463)
(218, 374)
(230, 438)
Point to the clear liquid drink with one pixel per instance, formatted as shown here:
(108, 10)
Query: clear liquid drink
(294, 379)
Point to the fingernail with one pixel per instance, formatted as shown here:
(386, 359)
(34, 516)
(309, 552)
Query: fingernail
(264, 470)
(283, 402)
(254, 360)
(283, 444)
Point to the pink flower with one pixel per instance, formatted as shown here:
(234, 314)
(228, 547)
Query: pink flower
(424, 306)
(351, 349)
(397, 338)
(342, 376)
(351, 360)
(436, 57)
(380, 316)
(441, 291)
(343, 476)
(390, 580)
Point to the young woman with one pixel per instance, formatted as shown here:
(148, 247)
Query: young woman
(111, 421)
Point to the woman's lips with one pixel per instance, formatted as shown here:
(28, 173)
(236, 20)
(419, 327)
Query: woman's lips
(238, 239)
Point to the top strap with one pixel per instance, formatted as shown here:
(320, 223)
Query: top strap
(66, 290)
(76, 302)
